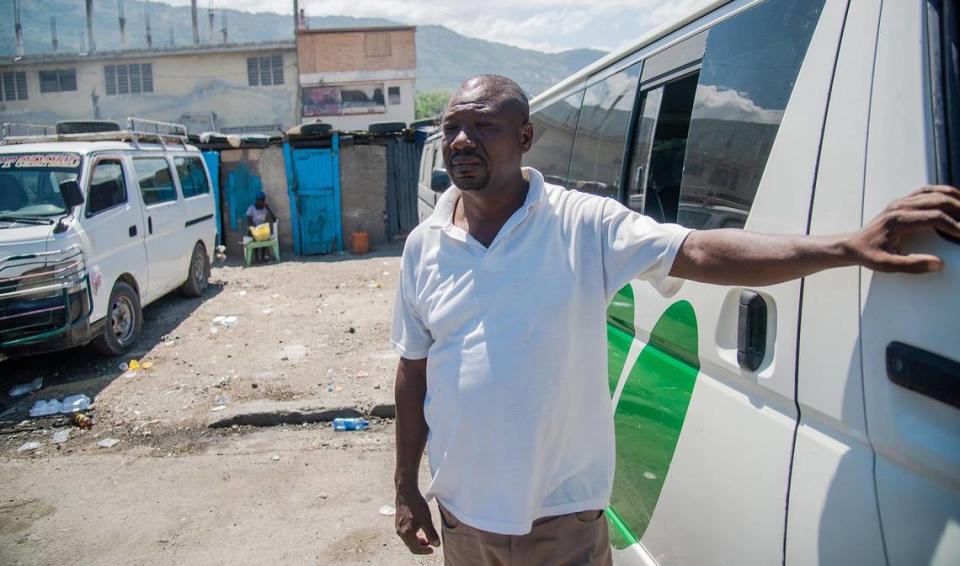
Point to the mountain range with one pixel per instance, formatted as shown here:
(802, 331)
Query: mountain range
(444, 57)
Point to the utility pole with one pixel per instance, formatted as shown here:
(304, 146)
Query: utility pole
(296, 17)
(53, 33)
(193, 16)
(91, 43)
(123, 25)
(210, 33)
(223, 18)
(18, 28)
(146, 17)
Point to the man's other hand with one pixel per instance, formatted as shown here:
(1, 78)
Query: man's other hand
(414, 522)
(877, 246)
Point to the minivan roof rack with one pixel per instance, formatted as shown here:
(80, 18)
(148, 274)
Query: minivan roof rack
(139, 130)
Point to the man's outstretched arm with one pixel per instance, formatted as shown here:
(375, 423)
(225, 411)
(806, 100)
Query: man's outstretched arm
(413, 513)
(738, 257)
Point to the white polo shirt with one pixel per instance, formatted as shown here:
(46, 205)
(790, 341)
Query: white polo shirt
(517, 401)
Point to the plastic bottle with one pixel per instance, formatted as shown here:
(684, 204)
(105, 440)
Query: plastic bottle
(342, 424)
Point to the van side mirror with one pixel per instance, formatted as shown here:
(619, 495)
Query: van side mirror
(439, 180)
(71, 194)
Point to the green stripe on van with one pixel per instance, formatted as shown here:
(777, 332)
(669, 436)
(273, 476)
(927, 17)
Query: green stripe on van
(649, 416)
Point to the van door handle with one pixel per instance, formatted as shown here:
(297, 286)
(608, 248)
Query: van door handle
(132, 230)
(751, 330)
(924, 372)
(150, 224)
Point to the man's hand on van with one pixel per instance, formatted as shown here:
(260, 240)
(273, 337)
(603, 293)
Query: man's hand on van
(877, 246)
(739, 257)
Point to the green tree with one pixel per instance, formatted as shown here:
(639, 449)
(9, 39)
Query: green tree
(431, 103)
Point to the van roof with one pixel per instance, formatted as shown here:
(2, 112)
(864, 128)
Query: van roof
(87, 147)
(629, 48)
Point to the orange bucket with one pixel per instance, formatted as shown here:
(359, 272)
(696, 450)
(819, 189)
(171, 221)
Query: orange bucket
(360, 243)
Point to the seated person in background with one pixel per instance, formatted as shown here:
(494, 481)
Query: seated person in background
(257, 214)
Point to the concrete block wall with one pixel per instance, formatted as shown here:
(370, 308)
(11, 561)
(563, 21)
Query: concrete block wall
(363, 192)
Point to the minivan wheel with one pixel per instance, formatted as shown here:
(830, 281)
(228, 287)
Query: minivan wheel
(124, 321)
(198, 276)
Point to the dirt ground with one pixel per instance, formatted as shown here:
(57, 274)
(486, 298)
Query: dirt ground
(174, 490)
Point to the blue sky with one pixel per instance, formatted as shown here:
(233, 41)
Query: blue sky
(546, 25)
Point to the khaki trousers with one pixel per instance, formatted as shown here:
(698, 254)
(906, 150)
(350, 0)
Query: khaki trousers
(577, 539)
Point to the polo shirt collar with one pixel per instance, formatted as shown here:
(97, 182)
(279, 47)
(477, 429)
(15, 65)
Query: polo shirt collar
(442, 216)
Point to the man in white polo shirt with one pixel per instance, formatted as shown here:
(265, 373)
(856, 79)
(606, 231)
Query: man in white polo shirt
(500, 321)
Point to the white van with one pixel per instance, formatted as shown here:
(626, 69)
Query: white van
(812, 422)
(94, 226)
(432, 179)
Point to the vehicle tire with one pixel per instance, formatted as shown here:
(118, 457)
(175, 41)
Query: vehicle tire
(198, 275)
(123, 324)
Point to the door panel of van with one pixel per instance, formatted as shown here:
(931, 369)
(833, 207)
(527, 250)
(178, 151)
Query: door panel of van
(703, 442)
(832, 512)
(199, 219)
(112, 229)
(163, 219)
(915, 433)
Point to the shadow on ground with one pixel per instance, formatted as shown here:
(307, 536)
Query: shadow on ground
(84, 370)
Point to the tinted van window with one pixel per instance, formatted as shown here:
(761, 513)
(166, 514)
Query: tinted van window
(602, 133)
(553, 130)
(155, 180)
(748, 73)
(107, 188)
(193, 178)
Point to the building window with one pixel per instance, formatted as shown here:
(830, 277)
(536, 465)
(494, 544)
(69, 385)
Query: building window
(134, 78)
(14, 85)
(393, 95)
(265, 71)
(58, 80)
(377, 44)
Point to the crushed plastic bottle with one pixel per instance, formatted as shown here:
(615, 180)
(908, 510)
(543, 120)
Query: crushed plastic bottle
(342, 424)
(75, 403)
(45, 407)
(61, 436)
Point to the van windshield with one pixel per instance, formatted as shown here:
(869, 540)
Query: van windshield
(30, 183)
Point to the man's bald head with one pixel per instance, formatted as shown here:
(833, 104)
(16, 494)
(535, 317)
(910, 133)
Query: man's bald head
(496, 91)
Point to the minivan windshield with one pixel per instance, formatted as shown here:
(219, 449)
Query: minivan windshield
(30, 183)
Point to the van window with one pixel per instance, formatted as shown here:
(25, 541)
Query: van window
(602, 133)
(748, 73)
(667, 149)
(193, 177)
(107, 187)
(155, 180)
(553, 129)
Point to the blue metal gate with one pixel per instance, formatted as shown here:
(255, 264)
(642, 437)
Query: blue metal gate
(313, 178)
(212, 158)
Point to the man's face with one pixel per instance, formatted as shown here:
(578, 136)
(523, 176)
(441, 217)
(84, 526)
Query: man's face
(259, 203)
(483, 141)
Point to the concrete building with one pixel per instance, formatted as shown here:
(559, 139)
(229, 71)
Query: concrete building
(351, 78)
(230, 88)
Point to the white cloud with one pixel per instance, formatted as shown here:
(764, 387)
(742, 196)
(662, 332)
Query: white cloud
(545, 25)
(725, 104)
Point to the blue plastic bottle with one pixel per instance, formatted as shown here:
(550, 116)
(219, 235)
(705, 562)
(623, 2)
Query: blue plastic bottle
(350, 424)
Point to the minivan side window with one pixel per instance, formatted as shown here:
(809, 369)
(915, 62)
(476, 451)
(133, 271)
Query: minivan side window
(107, 187)
(193, 178)
(155, 180)
(553, 129)
(748, 73)
(597, 159)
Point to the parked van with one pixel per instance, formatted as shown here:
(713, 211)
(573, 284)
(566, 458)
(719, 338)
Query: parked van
(812, 422)
(94, 226)
(433, 179)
